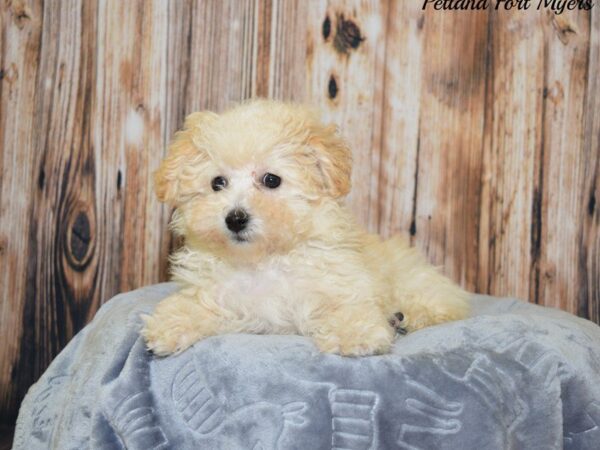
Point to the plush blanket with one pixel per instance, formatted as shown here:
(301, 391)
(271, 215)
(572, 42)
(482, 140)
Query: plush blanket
(515, 375)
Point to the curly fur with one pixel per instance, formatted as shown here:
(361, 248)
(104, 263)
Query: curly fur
(306, 267)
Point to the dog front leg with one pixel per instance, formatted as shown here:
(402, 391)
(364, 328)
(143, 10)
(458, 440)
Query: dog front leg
(179, 321)
(351, 330)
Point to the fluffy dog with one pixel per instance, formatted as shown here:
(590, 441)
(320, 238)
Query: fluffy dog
(269, 246)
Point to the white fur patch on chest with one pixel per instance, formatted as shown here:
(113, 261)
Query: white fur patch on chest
(263, 296)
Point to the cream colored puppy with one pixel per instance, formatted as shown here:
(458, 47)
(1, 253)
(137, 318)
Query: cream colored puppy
(270, 247)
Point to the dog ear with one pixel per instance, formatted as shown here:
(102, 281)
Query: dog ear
(334, 159)
(181, 152)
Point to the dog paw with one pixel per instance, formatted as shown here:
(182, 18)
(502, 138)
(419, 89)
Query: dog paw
(167, 337)
(178, 322)
(422, 316)
(376, 341)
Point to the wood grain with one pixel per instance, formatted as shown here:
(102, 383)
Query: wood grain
(130, 101)
(476, 133)
(221, 57)
(509, 233)
(451, 128)
(588, 276)
(20, 32)
(557, 267)
(400, 122)
(288, 51)
(345, 74)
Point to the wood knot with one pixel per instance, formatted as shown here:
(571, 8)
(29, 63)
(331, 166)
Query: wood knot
(332, 87)
(326, 29)
(21, 14)
(555, 93)
(550, 274)
(41, 181)
(347, 36)
(413, 228)
(79, 240)
(565, 28)
(10, 74)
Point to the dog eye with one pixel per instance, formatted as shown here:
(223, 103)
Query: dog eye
(218, 183)
(271, 181)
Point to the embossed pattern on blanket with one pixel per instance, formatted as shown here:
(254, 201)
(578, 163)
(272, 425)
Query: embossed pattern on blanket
(513, 376)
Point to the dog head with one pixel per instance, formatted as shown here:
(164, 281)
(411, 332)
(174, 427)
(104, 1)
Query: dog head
(249, 181)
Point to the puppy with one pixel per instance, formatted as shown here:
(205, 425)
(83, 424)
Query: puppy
(270, 247)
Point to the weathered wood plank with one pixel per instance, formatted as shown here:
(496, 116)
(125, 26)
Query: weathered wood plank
(401, 115)
(61, 264)
(222, 56)
(288, 51)
(21, 26)
(588, 277)
(263, 49)
(508, 234)
(129, 128)
(451, 128)
(562, 192)
(345, 60)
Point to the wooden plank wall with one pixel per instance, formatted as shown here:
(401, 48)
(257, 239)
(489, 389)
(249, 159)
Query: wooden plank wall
(477, 133)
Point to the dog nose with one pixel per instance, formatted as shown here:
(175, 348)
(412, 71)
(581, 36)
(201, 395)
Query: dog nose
(237, 219)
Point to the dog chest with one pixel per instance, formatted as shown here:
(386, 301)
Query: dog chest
(261, 294)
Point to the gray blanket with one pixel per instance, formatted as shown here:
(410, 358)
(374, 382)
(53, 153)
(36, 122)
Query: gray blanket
(513, 376)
